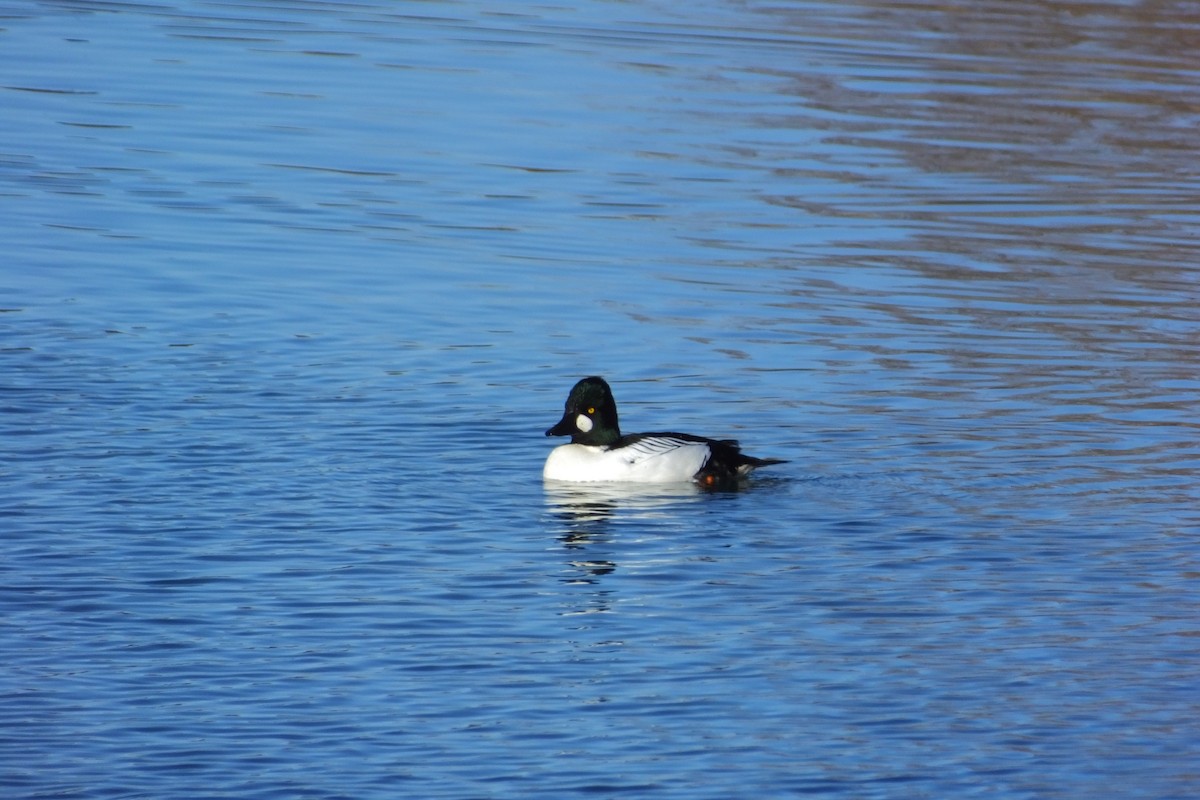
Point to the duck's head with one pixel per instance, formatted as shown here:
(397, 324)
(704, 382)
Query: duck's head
(591, 414)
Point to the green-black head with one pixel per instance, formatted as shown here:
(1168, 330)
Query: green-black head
(590, 416)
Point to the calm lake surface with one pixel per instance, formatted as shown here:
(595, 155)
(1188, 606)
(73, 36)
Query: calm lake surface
(290, 292)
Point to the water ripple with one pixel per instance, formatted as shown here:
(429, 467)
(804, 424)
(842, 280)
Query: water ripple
(291, 292)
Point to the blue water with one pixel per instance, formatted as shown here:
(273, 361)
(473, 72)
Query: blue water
(290, 292)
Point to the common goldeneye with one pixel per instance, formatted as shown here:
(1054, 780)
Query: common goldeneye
(598, 451)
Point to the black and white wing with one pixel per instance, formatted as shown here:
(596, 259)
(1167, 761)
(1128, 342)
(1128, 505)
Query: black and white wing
(643, 447)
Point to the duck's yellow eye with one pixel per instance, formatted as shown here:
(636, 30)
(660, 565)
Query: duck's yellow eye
(591, 411)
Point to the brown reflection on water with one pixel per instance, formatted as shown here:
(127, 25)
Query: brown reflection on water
(1071, 122)
(1015, 186)
(1048, 148)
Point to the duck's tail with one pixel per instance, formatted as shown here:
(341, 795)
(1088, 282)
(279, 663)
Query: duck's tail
(727, 464)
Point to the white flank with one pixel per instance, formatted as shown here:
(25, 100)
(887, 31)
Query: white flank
(655, 460)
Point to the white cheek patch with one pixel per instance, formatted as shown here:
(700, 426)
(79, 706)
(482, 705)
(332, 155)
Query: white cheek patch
(583, 422)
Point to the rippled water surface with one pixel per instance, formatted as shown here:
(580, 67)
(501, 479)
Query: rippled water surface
(290, 292)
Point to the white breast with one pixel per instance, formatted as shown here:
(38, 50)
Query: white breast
(651, 460)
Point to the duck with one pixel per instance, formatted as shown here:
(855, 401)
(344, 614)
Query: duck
(599, 453)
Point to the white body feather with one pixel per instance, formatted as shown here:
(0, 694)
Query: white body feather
(655, 459)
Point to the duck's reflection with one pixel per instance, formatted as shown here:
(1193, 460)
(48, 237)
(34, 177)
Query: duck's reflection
(586, 510)
(589, 513)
